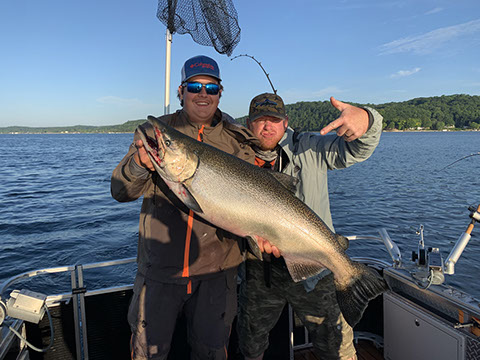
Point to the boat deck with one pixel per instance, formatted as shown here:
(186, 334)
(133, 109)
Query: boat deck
(365, 351)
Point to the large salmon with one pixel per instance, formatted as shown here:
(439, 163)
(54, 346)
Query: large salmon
(249, 201)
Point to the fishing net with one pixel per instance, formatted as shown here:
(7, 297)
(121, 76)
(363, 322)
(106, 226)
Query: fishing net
(209, 22)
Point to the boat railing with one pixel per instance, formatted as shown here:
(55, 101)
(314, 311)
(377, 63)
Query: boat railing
(76, 271)
(389, 244)
(78, 291)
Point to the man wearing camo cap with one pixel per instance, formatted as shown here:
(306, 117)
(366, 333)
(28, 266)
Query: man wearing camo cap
(267, 287)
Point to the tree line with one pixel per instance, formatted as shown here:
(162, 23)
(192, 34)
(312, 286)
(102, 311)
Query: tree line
(127, 127)
(428, 113)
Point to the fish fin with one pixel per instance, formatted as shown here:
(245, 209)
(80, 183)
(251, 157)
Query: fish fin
(185, 196)
(253, 243)
(289, 182)
(353, 298)
(301, 268)
(343, 241)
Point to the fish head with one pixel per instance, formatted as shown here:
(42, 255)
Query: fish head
(171, 157)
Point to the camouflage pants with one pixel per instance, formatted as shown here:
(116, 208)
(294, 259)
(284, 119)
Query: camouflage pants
(260, 308)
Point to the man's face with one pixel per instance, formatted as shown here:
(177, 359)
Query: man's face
(201, 106)
(269, 130)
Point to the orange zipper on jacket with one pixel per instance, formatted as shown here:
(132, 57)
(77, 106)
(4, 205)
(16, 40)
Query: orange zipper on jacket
(188, 237)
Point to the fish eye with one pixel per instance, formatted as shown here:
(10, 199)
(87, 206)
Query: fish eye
(168, 142)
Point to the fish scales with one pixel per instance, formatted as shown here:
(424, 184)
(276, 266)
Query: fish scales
(281, 216)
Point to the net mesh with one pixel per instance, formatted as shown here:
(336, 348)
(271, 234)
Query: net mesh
(209, 22)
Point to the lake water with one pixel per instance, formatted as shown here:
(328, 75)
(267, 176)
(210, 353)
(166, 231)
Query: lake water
(56, 208)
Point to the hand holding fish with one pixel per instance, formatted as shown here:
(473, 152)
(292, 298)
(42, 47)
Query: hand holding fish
(265, 246)
(141, 157)
(352, 123)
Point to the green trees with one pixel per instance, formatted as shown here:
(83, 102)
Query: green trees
(391, 125)
(436, 113)
(439, 125)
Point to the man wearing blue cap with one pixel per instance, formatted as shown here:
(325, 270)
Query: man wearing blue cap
(185, 265)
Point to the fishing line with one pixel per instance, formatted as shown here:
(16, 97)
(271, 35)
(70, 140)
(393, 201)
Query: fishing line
(456, 161)
(465, 157)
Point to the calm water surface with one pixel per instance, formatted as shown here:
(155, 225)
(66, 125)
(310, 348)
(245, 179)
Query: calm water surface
(56, 207)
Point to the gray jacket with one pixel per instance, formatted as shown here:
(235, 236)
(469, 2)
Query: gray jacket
(311, 155)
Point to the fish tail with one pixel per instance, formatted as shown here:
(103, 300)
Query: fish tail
(353, 298)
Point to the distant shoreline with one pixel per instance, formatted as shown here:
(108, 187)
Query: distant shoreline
(131, 132)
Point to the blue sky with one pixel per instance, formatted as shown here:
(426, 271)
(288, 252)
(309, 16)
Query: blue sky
(95, 62)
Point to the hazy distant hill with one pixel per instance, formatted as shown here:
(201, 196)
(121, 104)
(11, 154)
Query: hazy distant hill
(452, 111)
(127, 127)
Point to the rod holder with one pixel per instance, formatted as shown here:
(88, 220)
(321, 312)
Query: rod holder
(456, 253)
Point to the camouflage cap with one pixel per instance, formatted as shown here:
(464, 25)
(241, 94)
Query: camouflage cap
(267, 104)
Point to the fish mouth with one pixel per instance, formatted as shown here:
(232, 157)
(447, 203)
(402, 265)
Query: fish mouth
(174, 167)
(155, 147)
(160, 148)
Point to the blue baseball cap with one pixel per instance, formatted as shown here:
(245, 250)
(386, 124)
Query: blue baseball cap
(200, 65)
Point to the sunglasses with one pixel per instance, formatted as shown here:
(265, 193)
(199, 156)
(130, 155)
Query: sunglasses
(196, 87)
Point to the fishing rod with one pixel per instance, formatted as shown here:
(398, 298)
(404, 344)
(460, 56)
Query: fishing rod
(259, 64)
(465, 157)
